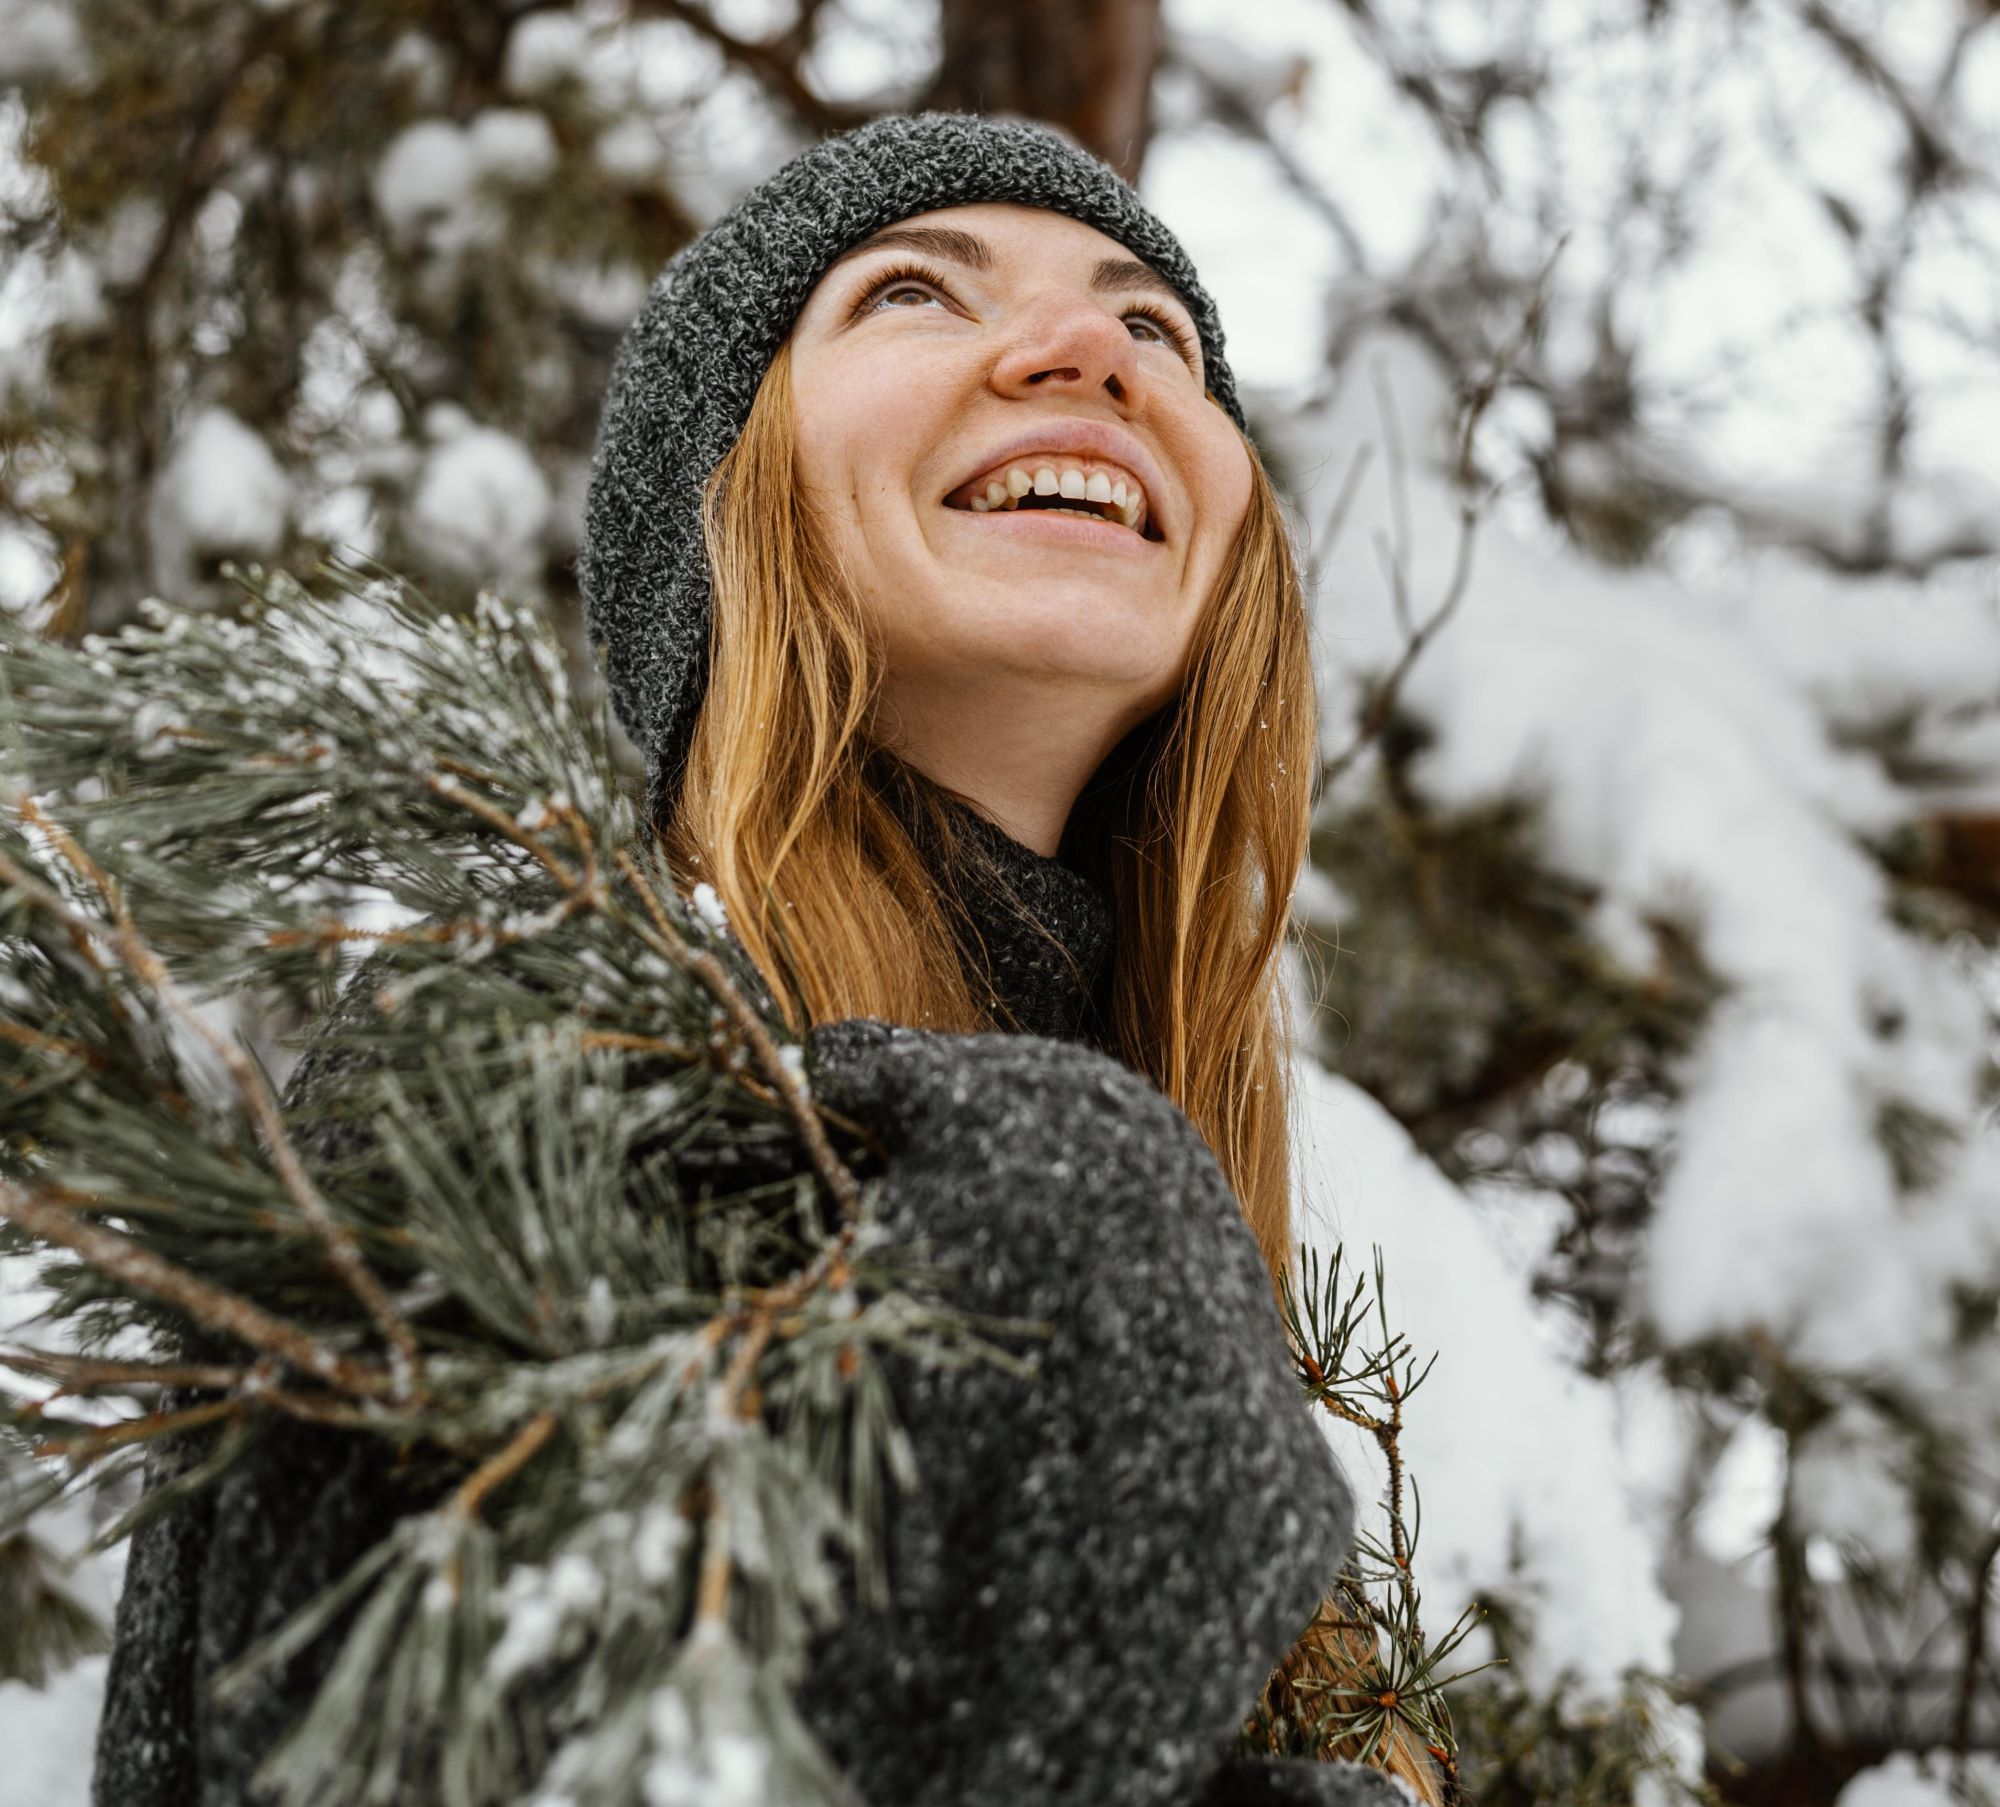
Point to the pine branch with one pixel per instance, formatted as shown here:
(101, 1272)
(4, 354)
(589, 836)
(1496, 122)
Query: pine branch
(263, 1108)
(1364, 1677)
(551, 1154)
(212, 1307)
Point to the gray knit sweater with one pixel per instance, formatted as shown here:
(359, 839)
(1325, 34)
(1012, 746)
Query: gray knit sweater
(1098, 1568)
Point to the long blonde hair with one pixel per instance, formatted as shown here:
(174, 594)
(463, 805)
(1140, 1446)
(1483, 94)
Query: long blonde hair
(1195, 825)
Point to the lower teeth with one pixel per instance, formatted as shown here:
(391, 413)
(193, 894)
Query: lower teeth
(1082, 514)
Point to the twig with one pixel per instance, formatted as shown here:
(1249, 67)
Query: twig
(34, 1039)
(501, 1467)
(449, 788)
(144, 1271)
(710, 971)
(99, 1441)
(79, 1376)
(734, 1397)
(342, 1251)
(1975, 1652)
(1472, 508)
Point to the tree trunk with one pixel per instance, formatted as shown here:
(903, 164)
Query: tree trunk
(1084, 65)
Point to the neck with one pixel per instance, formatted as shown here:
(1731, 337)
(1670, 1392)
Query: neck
(1022, 752)
(1034, 934)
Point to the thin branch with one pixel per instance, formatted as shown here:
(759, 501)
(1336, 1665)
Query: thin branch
(144, 1271)
(782, 1079)
(342, 1251)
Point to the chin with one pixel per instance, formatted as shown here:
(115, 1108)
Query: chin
(1110, 649)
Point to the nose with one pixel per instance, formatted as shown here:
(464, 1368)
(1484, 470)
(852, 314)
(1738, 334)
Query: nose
(1068, 342)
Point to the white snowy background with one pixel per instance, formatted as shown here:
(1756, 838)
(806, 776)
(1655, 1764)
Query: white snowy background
(1688, 724)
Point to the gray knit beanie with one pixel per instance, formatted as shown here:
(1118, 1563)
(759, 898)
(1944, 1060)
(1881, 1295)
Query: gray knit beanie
(690, 364)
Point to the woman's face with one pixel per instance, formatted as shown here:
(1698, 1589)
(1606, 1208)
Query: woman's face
(1029, 352)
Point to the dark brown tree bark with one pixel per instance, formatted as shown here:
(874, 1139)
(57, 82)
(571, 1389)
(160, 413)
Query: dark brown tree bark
(1084, 65)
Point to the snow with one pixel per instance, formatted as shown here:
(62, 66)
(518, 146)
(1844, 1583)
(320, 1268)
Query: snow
(48, 1734)
(123, 246)
(630, 151)
(708, 906)
(514, 145)
(538, 1603)
(604, 293)
(41, 40)
(1686, 768)
(220, 491)
(39, 296)
(543, 49)
(428, 188)
(1698, 744)
(1517, 1457)
(1906, 1779)
(705, 1746)
(480, 509)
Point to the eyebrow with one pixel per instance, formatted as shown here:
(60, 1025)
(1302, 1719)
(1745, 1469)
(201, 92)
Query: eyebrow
(1108, 276)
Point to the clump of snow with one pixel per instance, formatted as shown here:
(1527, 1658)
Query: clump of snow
(514, 145)
(539, 1605)
(40, 296)
(603, 293)
(1899, 1780)
(480, 509)
(708, 906)
(428, 190)
(600, 1311)
(220, 491)
(124, 244)
(657, 1542)
(631, 152)
(1851, 1483)
(1686, 768)
(420, 63)
(705, 1747)
(41, 40)
(544, 48)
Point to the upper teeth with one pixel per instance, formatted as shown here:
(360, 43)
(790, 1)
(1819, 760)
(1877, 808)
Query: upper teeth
(1065, 477)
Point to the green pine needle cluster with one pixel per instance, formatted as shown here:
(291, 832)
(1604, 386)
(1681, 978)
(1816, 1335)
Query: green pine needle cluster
(546, 1210)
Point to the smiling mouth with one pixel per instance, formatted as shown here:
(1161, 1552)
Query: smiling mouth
(1101, 515)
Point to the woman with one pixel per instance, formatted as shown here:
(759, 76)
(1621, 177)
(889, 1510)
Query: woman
(947, 600)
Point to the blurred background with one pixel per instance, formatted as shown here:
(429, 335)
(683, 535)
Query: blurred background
(1632, 372)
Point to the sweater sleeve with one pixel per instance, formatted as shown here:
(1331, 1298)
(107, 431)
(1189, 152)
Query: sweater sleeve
(1097, 1570)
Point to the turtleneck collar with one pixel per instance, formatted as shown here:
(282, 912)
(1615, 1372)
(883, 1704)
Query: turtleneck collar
(1034, 932)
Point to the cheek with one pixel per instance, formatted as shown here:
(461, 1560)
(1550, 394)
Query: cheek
(1225, 476)
(858, 431)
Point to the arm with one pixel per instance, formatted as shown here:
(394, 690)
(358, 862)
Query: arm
(1097, 1570)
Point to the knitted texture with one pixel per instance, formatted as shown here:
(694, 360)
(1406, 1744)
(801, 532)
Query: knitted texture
(1099, 1566)
(690, 364)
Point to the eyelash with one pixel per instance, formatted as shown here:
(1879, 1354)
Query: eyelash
(1181, 339)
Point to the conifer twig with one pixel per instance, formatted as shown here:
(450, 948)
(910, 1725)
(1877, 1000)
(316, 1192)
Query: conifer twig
(146, 1272)
(448, 787)
(341, 1249)
(501, 1467)
(783, 1080)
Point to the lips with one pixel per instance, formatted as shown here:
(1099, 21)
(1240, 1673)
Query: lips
(1064, 530)
(1085, 442)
